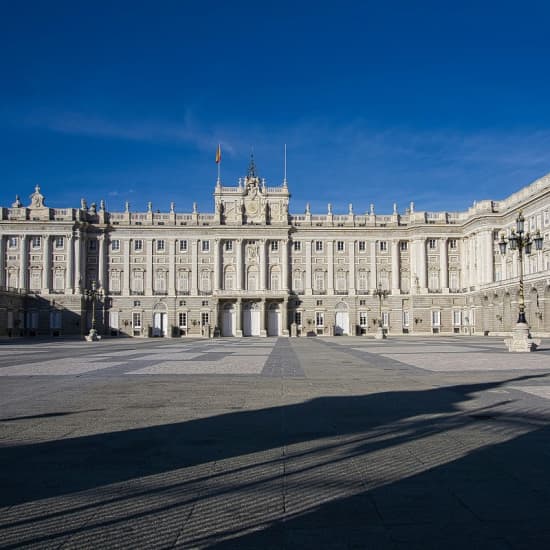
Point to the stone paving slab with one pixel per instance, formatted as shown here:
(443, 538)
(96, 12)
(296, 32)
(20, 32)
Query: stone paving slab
(276, 443)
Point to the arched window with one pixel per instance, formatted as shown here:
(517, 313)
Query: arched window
(229, 278)
(183, 281)
(205, 281)
(363, 280)
(274, 279)
(297, 281)
(341, 280)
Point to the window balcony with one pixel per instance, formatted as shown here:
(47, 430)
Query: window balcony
(160, 293)
(137, 293)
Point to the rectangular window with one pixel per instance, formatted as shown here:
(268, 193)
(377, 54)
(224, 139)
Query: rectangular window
(160, 245)
(340, 246)
(297, 246)
(383, 246)
(385, 319)
(228, 246)
(136, 320)
(457, 318)
(362, 246)
(36, 280)
(138, 245)
(403, 246)
(319, 319)
(12, 242)
(35, 242)
(59, 242)
(274, 246)
(183, 246)
(298, 318)
(436, 318)
(362, 318)
(205, 246)
(432, 243)
(405, 319)
(137, 303)
(452, 244)
(114, 281)
(318, 246)
(205, 318)
(115, 245)
(182, 319)
(92, 245)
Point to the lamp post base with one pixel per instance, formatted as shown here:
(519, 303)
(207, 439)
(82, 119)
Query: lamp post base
(521, 340)
(379, 334)
(93, 336)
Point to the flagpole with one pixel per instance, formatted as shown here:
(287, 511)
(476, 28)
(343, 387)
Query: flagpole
(219, 162)
(284, 178)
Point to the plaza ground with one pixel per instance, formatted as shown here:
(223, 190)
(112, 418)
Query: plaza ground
(274, 443)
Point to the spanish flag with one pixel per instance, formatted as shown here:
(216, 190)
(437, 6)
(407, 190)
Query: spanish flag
(219, 154)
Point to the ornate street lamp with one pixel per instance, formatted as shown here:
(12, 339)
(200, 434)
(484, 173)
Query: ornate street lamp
(381, 293)
(93, 294)
(522, 242)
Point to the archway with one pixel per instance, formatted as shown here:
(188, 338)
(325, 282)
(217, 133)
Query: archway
(341, 325)
(274, 320)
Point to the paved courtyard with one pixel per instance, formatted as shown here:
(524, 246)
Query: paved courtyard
(274, 443)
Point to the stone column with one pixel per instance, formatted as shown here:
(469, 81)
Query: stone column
(330, 265)
(422, 264)
(372, 261)
(308, 268)
(101, 279)
(238, 317)
(217, 256)
(395, 267)
(489, 258)
(24, 262)
(2, 262)
(239, 270)
(443, 265)
(464, 281)
(78, 283)
(149, 267)
(284, 317)
(69, 262)
(263, 331)
(285, 264)
(194, 267)
(412, 267)
(172, 267)
(127, 274)
(46, 264)
(351, 247)
(263, 265)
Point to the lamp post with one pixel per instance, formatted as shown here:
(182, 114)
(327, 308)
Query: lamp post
(381, 293)
(523, 242)
(93, 294)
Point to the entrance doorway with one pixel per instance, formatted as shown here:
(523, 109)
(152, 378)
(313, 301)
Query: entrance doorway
(274, 320)
(228, 320)
(251, 320)
(160, 324)
(341, 325)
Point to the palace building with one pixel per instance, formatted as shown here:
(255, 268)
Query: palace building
(250, 268)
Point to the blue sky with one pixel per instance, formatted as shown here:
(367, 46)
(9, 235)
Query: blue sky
(438, 102)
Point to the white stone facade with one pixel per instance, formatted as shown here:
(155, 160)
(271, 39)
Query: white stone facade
(251, 268)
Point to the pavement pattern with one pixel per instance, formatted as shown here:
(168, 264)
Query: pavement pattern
(274, 443)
